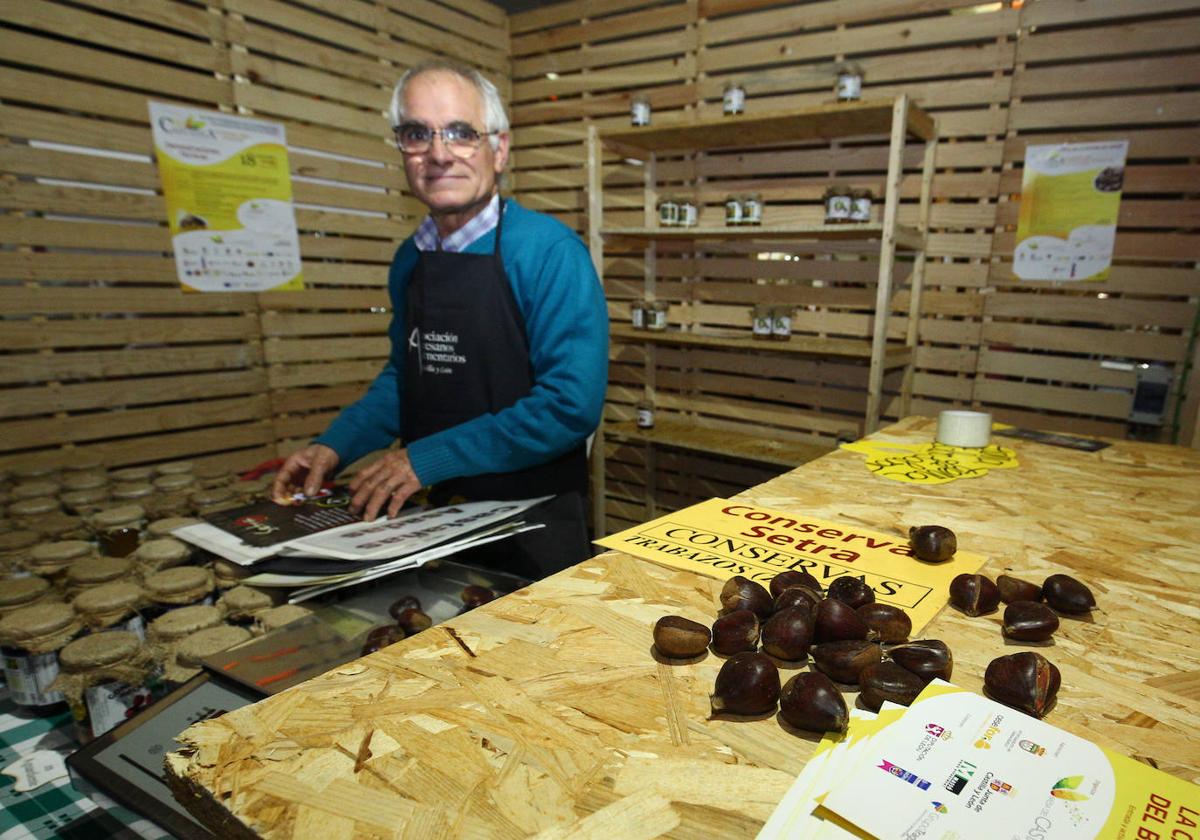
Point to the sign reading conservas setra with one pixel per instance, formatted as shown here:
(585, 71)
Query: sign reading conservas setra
(722, 538)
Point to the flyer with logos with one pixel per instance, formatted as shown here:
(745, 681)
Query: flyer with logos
(957, 765)
(228, 192)
(1070, 199)
(723, 538)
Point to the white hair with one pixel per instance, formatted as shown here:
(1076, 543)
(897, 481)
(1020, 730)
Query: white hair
(495, 119)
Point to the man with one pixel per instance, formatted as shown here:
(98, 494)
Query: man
(499, 357)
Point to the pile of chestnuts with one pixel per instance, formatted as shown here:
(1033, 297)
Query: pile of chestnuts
(409, 618)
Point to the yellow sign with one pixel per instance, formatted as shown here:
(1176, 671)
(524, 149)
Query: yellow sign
(931, 463)
(228, 192)
(722, 538)
(1070, 198)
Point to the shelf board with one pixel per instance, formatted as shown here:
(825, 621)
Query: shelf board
(906, 237)
(821, 122)
(894, 355)
(763, 447)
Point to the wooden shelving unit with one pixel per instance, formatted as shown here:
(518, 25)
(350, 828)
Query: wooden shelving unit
(899, 119)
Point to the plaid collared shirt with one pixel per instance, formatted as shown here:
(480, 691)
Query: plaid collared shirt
(426, 238)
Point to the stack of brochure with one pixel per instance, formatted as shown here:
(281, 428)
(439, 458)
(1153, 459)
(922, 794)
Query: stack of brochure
(957, 765)
(317, 543)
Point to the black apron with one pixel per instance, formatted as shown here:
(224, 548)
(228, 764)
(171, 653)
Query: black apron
(467, 355)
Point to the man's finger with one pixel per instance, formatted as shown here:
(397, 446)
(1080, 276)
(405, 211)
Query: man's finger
(378, 498)
(399, 497)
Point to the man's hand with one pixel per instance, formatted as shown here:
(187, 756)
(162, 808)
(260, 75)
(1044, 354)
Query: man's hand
(389, 481)
(312, 465)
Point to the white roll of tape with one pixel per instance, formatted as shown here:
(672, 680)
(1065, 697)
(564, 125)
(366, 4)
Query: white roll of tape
(964, 428)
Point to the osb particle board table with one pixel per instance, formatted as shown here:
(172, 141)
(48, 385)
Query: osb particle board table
(545, 712)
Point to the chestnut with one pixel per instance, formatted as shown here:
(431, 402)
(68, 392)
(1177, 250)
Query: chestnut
(836, 620)
(476, 596)
(413, 621)
(747, 684)
(852, 591)
(797, 596)
(676, 637)
(888, 681)
(406, 602)
(788, 634)
(1014, 589)
(886, 623)
(380, 637)
(974, 594)
(810, 701)
(1026, 681)
(844, 661)
(790, 578)
(926, 658)
(932, 542)
(1068, 595)
(735, 632)
(1029, 621)
(741, 593)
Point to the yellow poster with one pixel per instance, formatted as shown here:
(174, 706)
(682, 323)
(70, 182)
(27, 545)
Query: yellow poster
(1070, 198)
(721, 538)
(931, 463)
(228, 192)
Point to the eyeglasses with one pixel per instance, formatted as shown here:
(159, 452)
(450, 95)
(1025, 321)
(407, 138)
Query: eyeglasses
(460, 138)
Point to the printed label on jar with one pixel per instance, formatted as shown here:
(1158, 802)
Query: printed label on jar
(687, 214)
(637, 317)
(645, 418)
(762, 325)
(752, 211)
(782, 325)
(861, 212)
(29, 678)
(639, 113)
(111, 703)
(658, 319)
(733, 211)
(849, 86)
(838, 207)
(735, 100)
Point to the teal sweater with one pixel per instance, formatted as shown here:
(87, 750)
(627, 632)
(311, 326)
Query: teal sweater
(566, 320)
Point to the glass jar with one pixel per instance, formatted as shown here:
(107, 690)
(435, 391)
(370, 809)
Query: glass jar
(166, 553)
(129, 491)
(637, 315)
(849, 85)
(752, 209)
(205, 502)
(860, 209)
(183, 586)
(35, 472)
(112, 606)
(733, 210)
(27, 513)
(175, 468)
(35, 489)
(210, 476)
(18, 593)
(645, 415)
(14, 550)
(639, 111)
(90, 572)
(191, 652)
(838, 204)
(242, 604)
(106, 678)
(276, 617)
(761, 318)
(51, 559)
(76, 481)
(255, 488)
(689, 215)
(30, 639)
(668, 212)
(161, 528)
(781, 323)
(227, 574)
(656, 315)
(60, 526)
(83, 463)
(734, 99)
(174, 482)
(132, 475)
(84, 502)
(119, 529)
(168, 630)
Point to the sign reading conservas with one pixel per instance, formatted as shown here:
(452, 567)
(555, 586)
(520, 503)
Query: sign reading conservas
(722, 538)
(228, 192)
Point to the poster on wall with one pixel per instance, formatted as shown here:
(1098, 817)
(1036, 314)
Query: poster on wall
(228, 192)
(1070, 197)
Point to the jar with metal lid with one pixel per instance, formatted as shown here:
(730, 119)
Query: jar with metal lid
(35, 489)
(168, 630)
(183, 586)
(227, 574)
(209, 475)
(838, 205)
(59, 526)
(734, 99)
(860, 208)
(255, 488)
(35, 472)
(276, 617)
(18, 593)
(30, 639)
(75, 481)
(639, 111)
(761, 318)
(162, 505)
(173, 482)
(733, 209)
(127, 491)
(211, 500)
(689, 214)
(106, 678)
(161, 528)
(84, 502)
(14, 550)
(656, 315)
(849, 84)
(83, 463)
(166, 553)
(51, 559)
(119, 529)
(668, 212)
(132, 475)
(752, 209)
(781, 323)
(175, 468)
(637, 315)
(645, 415)
(90, 572)
(27, 513)
(242, 604)
(112, 606)
(190, 653)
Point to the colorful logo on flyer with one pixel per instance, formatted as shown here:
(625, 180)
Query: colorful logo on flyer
(984, 741)
(1068, 789)
(257, 523)
(940, 808)
(904, 775)
(1003, 788)
(937, 731)
(962, 774)
(1032, 748)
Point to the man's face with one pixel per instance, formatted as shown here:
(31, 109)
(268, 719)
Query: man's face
(441, 180)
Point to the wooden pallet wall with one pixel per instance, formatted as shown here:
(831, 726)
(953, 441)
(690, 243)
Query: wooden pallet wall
(995, 77)
(99, 349)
